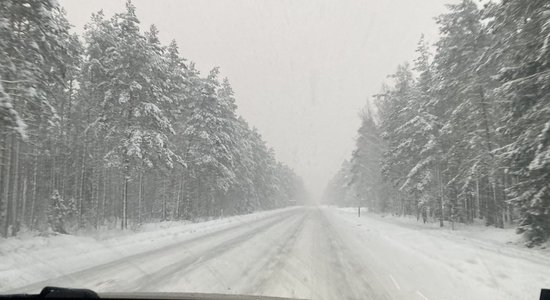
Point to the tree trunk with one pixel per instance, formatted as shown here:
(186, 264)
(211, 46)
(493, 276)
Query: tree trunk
(124, 224)
(452, 217)
(440, 188)
(15, 190)
(95, 195)
(186, 192)
(7, 164)
(478, 200)
(164, 196)
(24, 202)
(509, 207)
(498, 207)
(52, 169)
(81, 194)
(34, 189)
(63, 176)
(140, 194)
(3, 139)
(178, 200)
(104, 201)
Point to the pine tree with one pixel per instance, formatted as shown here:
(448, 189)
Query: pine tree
(209, 132)
(521, 50)
(121, 126)
(397, 112)
(59, 211)
(339, 190)
(34, 41)
(423, 178)
(132, 89)
(366, 163)
(469, 134)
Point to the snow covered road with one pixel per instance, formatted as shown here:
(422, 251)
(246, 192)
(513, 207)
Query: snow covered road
(318, 253)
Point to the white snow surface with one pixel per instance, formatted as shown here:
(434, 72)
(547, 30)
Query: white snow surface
(300, 252)
(28, 258)
(470, 262)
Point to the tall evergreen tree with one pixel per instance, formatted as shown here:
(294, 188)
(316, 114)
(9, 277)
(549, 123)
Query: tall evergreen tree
(121, 128)
(521, 49)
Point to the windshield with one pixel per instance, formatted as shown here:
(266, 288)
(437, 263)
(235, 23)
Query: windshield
(332, 149)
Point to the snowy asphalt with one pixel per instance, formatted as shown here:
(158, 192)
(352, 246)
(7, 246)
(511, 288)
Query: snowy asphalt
(314, 253)
(297, 253)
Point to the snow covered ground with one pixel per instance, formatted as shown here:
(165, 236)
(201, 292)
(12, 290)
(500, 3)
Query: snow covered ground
(468, 263)
(28, 259)
(309, 252)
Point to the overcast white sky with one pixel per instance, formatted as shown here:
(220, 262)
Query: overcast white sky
(301, 70)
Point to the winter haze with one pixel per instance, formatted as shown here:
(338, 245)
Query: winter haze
(162, 146)
(301, 70)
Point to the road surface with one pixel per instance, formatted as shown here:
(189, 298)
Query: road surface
(306, 252)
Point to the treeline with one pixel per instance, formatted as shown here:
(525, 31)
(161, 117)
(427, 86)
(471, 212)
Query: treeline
(116, 128)
(465, 134)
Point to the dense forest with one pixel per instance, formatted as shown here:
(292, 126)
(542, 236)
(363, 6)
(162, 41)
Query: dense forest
(464, 133)
(113, 128)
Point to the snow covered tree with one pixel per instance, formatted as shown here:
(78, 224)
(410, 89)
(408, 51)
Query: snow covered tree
(521, 49)
(33, 48)
(366, 164)
(339, 190)
(423, 179)
(243, 191)
(398, 112)
(31, 45)
(59, 211)
(209, 135)
(121, 126)
(132, 94)
(468, 135)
